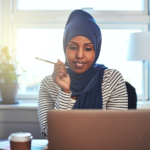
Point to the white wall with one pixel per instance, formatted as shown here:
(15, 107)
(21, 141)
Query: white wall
(19, 120)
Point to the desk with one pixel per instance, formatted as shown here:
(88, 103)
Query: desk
(36, 144)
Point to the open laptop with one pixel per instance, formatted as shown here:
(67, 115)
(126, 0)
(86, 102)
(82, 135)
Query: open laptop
(99, 130)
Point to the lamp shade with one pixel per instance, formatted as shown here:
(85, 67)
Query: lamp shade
(139, 46)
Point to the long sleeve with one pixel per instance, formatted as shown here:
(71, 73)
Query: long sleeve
(51, 97)
(64, 101)
(45, 103)
(118, 99)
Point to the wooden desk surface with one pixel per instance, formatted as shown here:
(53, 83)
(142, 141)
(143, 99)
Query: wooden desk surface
(37, 144)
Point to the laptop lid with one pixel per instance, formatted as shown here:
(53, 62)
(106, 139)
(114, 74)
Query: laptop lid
(99, 130)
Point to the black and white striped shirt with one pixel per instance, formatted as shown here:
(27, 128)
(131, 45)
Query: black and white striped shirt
(114, 96)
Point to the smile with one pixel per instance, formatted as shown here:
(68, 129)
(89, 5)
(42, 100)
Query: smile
(79, 64)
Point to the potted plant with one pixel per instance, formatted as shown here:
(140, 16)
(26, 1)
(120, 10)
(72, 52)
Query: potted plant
(8, 77)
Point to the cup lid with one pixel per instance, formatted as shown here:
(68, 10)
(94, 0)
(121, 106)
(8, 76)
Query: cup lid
(20, 137)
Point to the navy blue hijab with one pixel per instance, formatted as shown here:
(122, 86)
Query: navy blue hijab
(87, 86)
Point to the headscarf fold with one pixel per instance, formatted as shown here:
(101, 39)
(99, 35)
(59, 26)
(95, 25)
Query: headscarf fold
(87, 86)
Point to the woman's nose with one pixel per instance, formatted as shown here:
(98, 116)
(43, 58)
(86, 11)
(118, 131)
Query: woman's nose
(80, 53)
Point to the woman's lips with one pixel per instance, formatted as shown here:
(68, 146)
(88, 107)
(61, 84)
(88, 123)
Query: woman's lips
(79, 64)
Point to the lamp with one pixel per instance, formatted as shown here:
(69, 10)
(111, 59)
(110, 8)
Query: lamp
(139, 49)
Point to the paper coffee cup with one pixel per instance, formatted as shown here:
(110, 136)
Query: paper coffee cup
(20, 141)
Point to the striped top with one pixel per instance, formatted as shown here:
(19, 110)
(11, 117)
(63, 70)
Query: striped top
(114, 96)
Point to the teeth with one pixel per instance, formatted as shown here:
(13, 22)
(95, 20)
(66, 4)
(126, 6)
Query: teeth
(79, 63)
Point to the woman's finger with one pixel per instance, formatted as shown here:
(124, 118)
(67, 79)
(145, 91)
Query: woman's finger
(61, 73)
(61, 69)
(59, 63)
(57, 66)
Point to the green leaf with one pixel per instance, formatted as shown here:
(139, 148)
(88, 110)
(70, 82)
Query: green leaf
(8, 70)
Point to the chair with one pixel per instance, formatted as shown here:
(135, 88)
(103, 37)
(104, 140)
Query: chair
(132, 96)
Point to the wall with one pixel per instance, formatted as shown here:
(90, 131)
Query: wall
(19, 119)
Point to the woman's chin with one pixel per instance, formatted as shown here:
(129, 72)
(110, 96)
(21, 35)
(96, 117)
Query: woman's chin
(78, 71)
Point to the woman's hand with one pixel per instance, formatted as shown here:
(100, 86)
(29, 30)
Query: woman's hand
(61, 77)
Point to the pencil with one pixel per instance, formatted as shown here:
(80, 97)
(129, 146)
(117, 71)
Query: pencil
(49, 61)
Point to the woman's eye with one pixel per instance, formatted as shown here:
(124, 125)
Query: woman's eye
(88, 49)
(72, 48)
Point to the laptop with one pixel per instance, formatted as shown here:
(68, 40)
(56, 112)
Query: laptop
(99, 130)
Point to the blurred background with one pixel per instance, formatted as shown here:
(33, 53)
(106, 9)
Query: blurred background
(34, 28)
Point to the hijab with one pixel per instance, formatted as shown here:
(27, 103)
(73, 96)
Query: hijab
(87, 86)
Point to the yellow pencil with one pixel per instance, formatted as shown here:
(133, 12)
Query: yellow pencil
(48, 61)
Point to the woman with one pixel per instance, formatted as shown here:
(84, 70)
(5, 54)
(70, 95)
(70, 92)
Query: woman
(85, 84)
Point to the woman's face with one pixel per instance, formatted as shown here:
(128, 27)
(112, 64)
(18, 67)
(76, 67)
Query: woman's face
(80, 54)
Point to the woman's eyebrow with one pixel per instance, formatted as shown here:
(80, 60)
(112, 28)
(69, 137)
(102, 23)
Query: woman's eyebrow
(77, 44)
(88, 43)
(73, 42)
